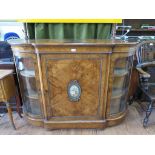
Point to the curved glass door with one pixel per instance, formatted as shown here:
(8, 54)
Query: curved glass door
(27, 80)
(121, 79)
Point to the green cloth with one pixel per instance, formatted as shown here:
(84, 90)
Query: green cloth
(69, 31)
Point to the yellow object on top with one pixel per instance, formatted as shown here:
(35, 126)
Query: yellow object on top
(70, 20)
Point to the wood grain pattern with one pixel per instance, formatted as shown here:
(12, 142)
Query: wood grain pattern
(7, 85)
(59, 73)
(134, 82)
(1, 91)
(7, 90)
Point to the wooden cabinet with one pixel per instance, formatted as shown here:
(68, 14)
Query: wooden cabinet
(74, 84)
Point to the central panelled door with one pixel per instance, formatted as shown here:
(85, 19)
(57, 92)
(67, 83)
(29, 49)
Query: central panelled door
(75, 86)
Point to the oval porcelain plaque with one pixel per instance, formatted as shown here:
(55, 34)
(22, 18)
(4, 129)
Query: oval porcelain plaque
(74, 91)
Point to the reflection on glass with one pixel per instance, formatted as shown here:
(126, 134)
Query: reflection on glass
(148, 53)
(28, 85)
(121, 80)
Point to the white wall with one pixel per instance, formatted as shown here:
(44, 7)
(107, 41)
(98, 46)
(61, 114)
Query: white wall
(11, 27)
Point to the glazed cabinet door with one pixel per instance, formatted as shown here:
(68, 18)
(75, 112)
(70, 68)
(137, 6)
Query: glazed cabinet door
(26, 65)
(119, 80)
(75, 85)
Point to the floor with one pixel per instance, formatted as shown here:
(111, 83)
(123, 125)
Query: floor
(132, 125)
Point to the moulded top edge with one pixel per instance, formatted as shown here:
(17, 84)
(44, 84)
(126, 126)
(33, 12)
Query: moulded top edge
(53, 42)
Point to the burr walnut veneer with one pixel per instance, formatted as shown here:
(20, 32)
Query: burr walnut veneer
(69, 84)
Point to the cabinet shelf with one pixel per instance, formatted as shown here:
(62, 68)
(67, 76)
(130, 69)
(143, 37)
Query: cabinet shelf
(118, 93)
(120, 72)
(27, 73)
(31, 95)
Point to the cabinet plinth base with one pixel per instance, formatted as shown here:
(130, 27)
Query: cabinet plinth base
(76, 124)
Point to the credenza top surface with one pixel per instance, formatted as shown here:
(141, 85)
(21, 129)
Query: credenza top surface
(53, 42)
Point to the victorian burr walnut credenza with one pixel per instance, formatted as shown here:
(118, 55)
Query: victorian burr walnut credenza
(68, 84)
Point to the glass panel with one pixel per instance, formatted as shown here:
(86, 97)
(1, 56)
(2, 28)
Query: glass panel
(121, 81)
(148, 52)
(28, 87)
(118, 104)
